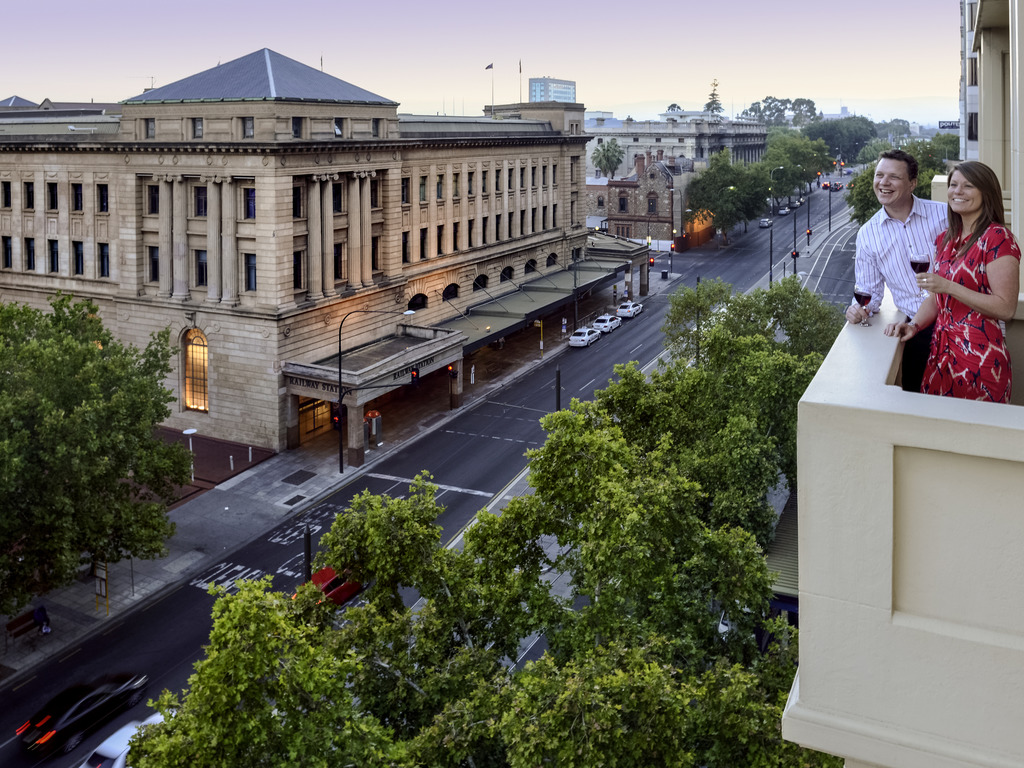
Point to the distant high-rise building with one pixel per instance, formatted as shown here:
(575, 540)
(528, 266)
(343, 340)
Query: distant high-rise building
(550, 89)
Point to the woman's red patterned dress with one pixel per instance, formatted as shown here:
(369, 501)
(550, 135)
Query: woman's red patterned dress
(968, 357)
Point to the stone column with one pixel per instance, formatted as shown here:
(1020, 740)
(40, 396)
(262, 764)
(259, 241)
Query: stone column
(213, 241)
(327, 207)
(366, 230)
(354, 433)
(355, 271)
(229, 244)
(314, 240)
(179, 227)
(164, 235)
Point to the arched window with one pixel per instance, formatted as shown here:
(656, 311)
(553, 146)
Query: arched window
(506, 274)
(480, 283)
(451, 291)
(531, 266)
(600, 201)
(552, 259)
(197, 397)
(417, 302)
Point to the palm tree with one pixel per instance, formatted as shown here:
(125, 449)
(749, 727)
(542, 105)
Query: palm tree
(608, 157)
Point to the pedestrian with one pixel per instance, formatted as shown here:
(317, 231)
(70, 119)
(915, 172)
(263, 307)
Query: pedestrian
(971, 293)
(41, 619)
(903, 227)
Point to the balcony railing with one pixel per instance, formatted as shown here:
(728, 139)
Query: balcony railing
(911, 566)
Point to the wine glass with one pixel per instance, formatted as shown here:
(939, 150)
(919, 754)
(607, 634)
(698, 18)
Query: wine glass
(920, 262)
(863, 297)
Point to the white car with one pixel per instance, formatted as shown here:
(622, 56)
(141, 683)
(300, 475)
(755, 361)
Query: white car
(584, 337)
(783, 211)
(764, 223)
(607, 323)
(113, 752)
(629, 309)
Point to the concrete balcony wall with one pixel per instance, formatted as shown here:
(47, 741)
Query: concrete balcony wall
(911, 567)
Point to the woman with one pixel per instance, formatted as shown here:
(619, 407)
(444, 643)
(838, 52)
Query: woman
(972, 290)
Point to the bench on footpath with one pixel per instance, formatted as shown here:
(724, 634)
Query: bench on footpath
(18, 627)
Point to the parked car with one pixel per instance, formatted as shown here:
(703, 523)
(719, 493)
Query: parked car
(783, 211)
(629, 309)
(338, 589)
(113, 752)
(607, 323)
(584, 337)
(764, 223)
(65, 719)
(796, 203)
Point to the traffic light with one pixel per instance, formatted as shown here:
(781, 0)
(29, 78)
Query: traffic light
(672, 246)
(808, 237)
(335, 416)
(794, 254)
(452, 371)
(650, 261)
(414, 375)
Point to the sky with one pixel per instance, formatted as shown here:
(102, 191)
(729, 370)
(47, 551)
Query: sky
(432, 57)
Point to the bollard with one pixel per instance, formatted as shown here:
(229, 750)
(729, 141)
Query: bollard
(250, 454)
(232, 460)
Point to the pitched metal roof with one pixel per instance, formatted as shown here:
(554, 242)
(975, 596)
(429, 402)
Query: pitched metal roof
(16, 101)
(261, 76)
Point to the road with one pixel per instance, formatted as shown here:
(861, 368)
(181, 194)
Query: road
(471, 460)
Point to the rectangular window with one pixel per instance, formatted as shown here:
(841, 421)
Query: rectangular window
(5, 194)
(440, 186)
(336, 197)
(469, 184)
(296, 202)
(77, 198)
(510, 178)
(972, 71)
(53, 252)
(554, 174)
(248, 127)
(339, 127)
(104, 257)
(533, 219)
(554, 214)
(250, 271)
(102, 198)
(51, 196)
(455, 184)
(440, 239)
(249, 202)
(8, 247)
(497, 180)
(423, 243)
(972, 126)
(197, 127)
(423, 189)
(544, 217)
(405, 190)
(78, 251)
(150, 124)
(296, 127)
(483, 231)
(296, 270)
(405, 247)
(154, 264)
(522, 222)
(375, 253)
(374, 193)
(153, 191)
(30, 254)
(338, 260)
(375, 127)
(200, 202)
(544, 175)
(623, 205)
(201, 273)
(30, 195)
(652, 205)
(472, 233)
(483, 180)
(455, 236)
(522, 178)
(497, 228)
(533, 176)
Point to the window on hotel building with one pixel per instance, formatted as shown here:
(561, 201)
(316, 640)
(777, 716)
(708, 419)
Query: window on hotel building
(154, 264)
(297, 270)
(150, 127)
(522, 178)
(440, 240)
(339, 127)
(423, 243)
(78, 255)
(196, 366)
(498, 231)
(102, 198)
(375, 252)
(53, 251)
(197, 127)
(296, 202)
(250, 271)
(5, 194)
(248, 127)
(533, 176)
(455, 236)
(30, 254)
(469, 184)
(405, 190)
(200, 201)
(336, 197)
(483, 182)
(374, 193)
(440, 186)
(455, 184)
(77, 198)
(201, 272)
(405, 247)
(249, 202)
(375, 127)
(104, 259)
(51, 196)
(497, 180)
(153, 195)
(297, 127)
(8, 248)
(30, 195)
(423, 189)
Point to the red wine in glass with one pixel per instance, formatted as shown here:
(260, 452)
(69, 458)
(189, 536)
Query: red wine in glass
(920, 263)
(863, 298)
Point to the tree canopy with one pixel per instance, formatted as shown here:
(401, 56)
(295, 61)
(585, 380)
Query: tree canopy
(773, 111)
(608, 157)
(725, 193)
(845, 137)
(648, 504)
(81, 470)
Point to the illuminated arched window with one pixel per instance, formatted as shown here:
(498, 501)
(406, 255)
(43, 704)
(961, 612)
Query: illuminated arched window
(196, 368)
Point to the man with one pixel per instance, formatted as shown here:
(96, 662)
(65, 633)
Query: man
(904, 226)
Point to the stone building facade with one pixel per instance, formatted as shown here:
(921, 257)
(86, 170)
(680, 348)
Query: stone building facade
(255, 207)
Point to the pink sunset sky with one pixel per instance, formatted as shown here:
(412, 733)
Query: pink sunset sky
(880, 58)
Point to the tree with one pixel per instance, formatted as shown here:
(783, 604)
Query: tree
(82, 470)
(608, 157)
(716, 193)
(804, 112)
(871, 151)
(845, 137)
(673, 107)
(714, 104)
(860, 194)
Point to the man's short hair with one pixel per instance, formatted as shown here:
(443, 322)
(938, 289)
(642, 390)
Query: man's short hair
(905, 157)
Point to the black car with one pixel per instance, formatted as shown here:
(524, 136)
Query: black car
(69, 715)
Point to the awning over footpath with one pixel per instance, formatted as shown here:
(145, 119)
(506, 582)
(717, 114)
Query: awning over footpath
(782, 553)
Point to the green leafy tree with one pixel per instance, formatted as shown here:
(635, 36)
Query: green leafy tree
(608, 157)
(81, 469)
(845, 137)
(892, 130)
(714, 103)
(718, 194)
(871, 151)
(800, 158)
(804, 112)
(673, 107)
(860, 194)
(770, 110)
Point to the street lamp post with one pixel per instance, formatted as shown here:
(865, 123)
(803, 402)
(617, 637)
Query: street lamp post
(771, 229)
(341, 387)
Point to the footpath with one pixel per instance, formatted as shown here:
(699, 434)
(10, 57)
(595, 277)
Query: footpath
(240, 493)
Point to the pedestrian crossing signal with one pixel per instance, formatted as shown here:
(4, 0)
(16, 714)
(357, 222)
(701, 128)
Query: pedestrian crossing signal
(414, 374)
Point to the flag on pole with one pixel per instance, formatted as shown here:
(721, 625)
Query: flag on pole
(489, 66)
(520, 66)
